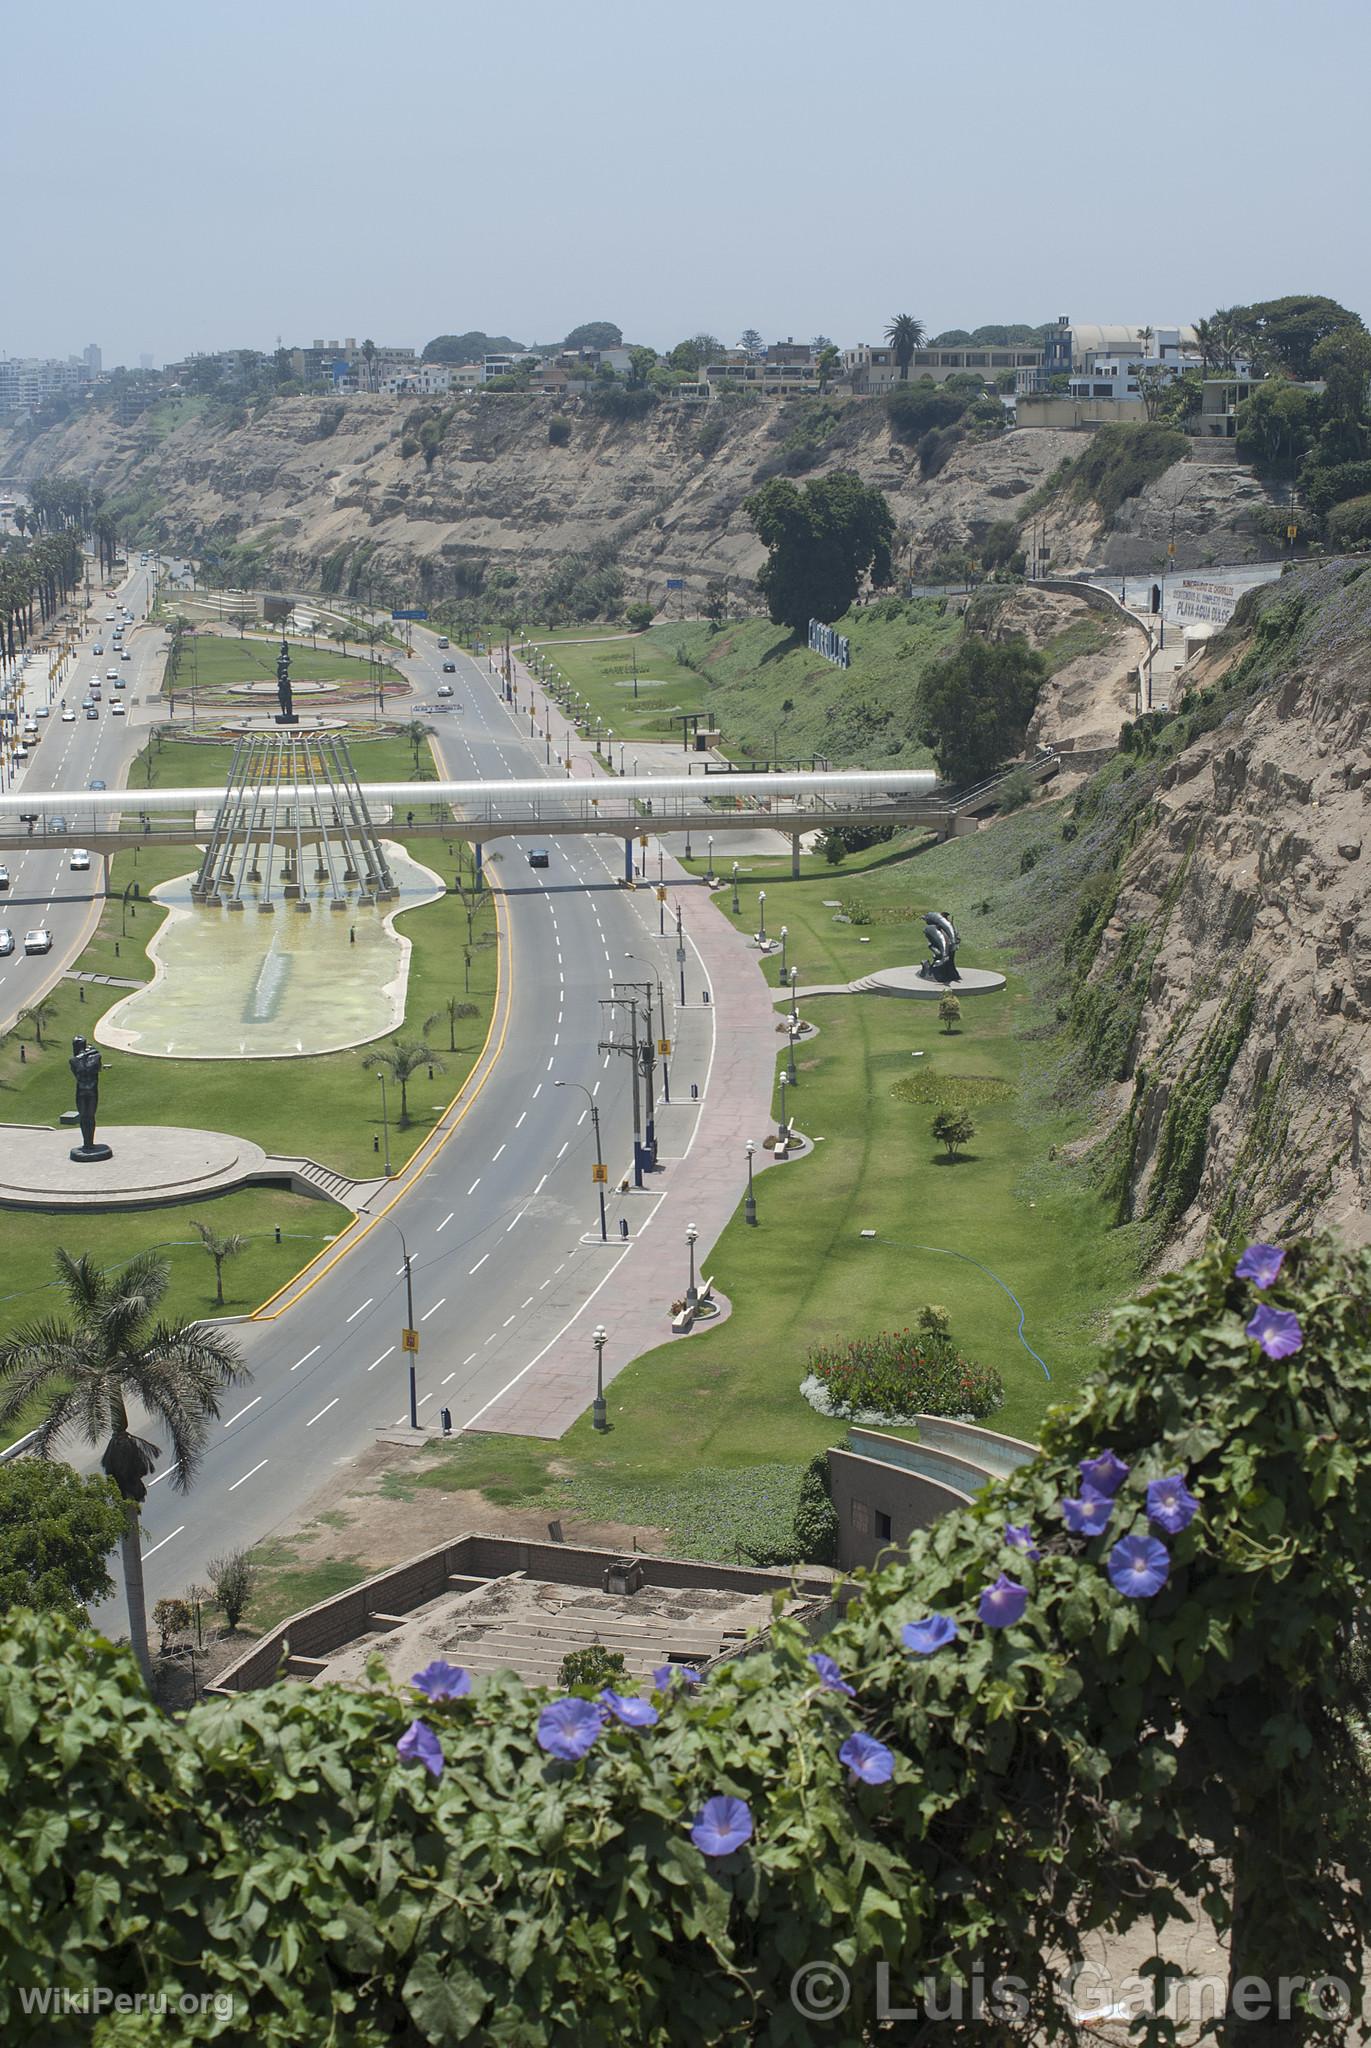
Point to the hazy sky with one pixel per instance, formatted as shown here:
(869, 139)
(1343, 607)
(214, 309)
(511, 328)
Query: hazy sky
(205, 176)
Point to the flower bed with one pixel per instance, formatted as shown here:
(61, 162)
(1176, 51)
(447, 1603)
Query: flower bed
(900, 1373)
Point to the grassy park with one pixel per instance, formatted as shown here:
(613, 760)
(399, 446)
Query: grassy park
(708, 1437)
(212, 662)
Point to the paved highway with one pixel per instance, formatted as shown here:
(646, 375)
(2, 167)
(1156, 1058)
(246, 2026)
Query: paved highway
(495, 1224)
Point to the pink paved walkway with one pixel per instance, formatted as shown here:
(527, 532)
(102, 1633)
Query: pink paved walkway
(703, 1187)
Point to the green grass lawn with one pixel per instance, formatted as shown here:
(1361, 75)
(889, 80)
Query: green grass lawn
(709, 1435)
(215, 661)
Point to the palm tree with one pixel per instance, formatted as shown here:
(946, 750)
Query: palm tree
(1206, 343)
(220, 1247)
(416, 732)
(402, 1062)
(905, 334)
(108, 1353)
(38, 1014)
(369, 352)
(456, 1012)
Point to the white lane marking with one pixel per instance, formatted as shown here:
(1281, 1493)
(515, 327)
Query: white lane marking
(420, 1402)
(474, 1185)
(446, 1220)
(508, 1320)
(165, 1475)
(479, 1263)
(467, 1361)
(381, 1360)
(495, 1155)
(539, 1089)
(539, 1189)
(434, 1310)
(366, 1304)
(246, 1476)
(305, 1360)
(472, 1420)
(549, 1064)
(581, 1118)
(323, 1412)
(524, 1304)
(544, 1283)
(596, 1089)
(565, 1148)
(165, 1540)
(606, 1059)
(451, 1376)
(510, 1225)
(242, 1411)
(522, 1114)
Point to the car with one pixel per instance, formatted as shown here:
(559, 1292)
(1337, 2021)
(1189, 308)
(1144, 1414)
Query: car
(39, 941)
(449, 668)
(92, 711)
(538, 857)
(4, 878)
(109, 615)
(444, 689)
(116, 710)
(124, 655)
(97, 649)
(57, 824)
(97, 784)
(80, 859)
(68, 716)
(43, 710)
(21, 752)
(443, 640)
(121, 682)
(111, 675)
(6, 940)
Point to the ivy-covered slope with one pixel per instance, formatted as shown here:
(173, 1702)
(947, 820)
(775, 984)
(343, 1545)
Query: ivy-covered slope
(1077, 1703)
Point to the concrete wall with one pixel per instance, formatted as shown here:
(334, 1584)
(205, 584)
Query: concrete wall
(884, 1486)
(1043, 409)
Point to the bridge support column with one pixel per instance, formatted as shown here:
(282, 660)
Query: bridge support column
(794, 856)
(478, 848)
(628, 860)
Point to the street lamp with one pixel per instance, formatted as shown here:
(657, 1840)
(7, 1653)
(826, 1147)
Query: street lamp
(761, 915)
(680, 952)
(785, 933)
(599, 1157)
(784, 1126)
(661, 1010)
(750, 1206)
(736, 905)
(692, 1291)
(794, 999)
(709, 869)
(599, 1338)
(790, 1059)
(411, 1339)
(385, 1117)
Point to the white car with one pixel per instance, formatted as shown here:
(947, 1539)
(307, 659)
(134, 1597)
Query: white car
(116, 709)
(43, 710)
(21, 752)
(4, 878)
(39, 941)
(109, 615)
(68, 715)
(6, 940)
(124, 654)
(79, 857)
(111, 675)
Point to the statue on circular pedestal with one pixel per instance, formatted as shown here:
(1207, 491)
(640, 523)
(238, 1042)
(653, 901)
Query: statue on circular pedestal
(940, 935)
(283, 689)
(85, 1064)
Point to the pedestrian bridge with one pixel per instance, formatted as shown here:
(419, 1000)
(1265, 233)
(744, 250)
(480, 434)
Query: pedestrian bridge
(703, 806)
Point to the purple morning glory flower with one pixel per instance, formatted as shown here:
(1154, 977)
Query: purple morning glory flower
(830, 1677)
(442, 1681)
(568, 1728)
(1020, 1537)
(1171, 1504)
(1105, 1474)
(867, 1759)
(924, 1637)
(632, 1712)
(666, 1674)
(722, 1825)
(1003, 1603)
(419, 1745)
(1088, 1516)
(1260, 1264)
(1138, 1566)
(1276, 1330)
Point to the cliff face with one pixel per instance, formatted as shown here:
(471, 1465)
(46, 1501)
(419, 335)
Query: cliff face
(1231, 990)
(308, 483)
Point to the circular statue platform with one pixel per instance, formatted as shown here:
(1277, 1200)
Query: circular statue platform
(265, 721)
(908, 981)
(268, 689)
(152, 1164)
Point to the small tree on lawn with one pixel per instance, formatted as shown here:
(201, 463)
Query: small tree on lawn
(402, 1063)
(232, 1580)
(38, 1014)
(949, 1013)
(220, 1246)
(953, 1128)
(171, 1618)
(453, 1011)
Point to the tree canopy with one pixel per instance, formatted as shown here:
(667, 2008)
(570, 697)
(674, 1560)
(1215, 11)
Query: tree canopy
(976, 705)
(822, 541)
(595, 334)
(57, 1530)
(469, 347)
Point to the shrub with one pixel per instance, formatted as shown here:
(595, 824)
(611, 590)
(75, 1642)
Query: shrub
(559, 431)
(915, 410)
(232, 1580)
(953, 1128)
(171, 1618)
(1121, 461)
(591, 1669)
(1350, 522)
(639, 616)
(904, 1372)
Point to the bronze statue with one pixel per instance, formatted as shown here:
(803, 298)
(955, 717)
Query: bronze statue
(940, 935)
(283, 690)
(85, 1064)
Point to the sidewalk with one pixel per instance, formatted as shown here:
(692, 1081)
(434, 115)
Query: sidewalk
(702, 1174)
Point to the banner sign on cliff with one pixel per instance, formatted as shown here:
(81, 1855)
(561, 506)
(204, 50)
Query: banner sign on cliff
(1213, 602)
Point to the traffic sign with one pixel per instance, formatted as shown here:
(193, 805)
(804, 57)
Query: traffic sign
(661, 893)
(409, 1340)
(599, 1172)
(409, 615)
(642, 836)
(680, 953)
(664, 1048)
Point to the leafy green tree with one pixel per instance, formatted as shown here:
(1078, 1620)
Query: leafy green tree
(949, 1013)
(108, 1354)
(640, 363)
(232, 1581)
(220, 1245)
(590, 1670)
(921, 408)
(822, 541)
(38, 1014)
(692, 355)
(57, 1529)
(953, 1128)
(453, 1012)
(595, 334)
(828, 364)
(639, 616)
(751, 341)
(976, 706)
(905, 334)
(1277, 425)
(402, 1062)
(1285, 332)
(170, 1618)
(468, 347)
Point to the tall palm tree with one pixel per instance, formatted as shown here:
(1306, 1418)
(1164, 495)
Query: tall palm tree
(369, 353)
(220, 1246)
(1205, 342)
(905, 334)
(110, 1352)
(456, 1012)
(402, 1062)
(38, 1014)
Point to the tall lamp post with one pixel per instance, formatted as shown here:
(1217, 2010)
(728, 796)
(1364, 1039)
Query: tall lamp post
(790, 1058)
(761, 915)
(385, 1117)
(784, 1126)
(750, 1206)
(709, 868)
(680, 952)
(736, 905)
(599, 1339)
(411, 1334)
(794, 999)
(785, 934)
(599, 1156)
(692, 1291)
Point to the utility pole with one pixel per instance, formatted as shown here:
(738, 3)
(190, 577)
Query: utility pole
(615, 1045)
(409, 1336)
